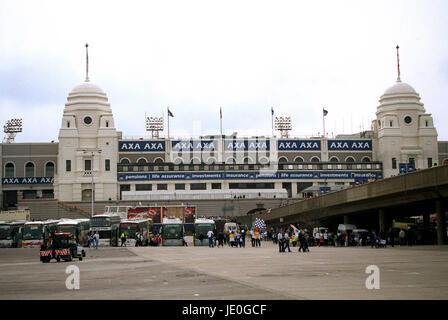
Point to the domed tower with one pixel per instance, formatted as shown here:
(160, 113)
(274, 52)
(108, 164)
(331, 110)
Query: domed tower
(88, 145)
(405, 132)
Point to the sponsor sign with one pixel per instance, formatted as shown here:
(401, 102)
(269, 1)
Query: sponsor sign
(293, 145)
(351, 145)
(141, 146)
(249, 175)
(191, 145)
(34, 180)
(247, 145)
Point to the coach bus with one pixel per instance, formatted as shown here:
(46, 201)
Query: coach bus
(34, 232)
(203, 226)
(130, 227)
(11, 234)
(107, 225)
(172, 232)
(79, 228)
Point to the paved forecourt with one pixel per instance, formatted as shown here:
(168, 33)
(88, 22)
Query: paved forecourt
(229, 273)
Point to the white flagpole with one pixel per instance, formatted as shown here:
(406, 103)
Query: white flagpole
(168, 116)
(272, 122)
(220, 120)
(323, 119)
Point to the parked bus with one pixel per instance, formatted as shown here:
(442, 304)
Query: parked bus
(11, 234)
(107, 225)
(34, 232)
(130, 227)
(203, 226)
(172, 232)
(79, 228)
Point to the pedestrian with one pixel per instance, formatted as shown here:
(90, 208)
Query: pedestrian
(317, 237)
(243, 239)
(123, 239)
(373, 239)
(185, 241)
(280, 241)
(221, 239)
(391, 237)
(211, 243)
(286, 241)
(232, 239)
(325, 238)
(252, 236)
(201, 239)
(402, 237)
(257, 238)
(237, 239)
(97, 239)
(91, 240)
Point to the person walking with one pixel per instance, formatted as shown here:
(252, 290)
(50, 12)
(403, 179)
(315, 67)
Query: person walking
(286, 241)
(257, 238)
(317, 237)
(201, 238)
(402, 237)
(301, 241)
(211, 243)
(252, 237)
(221, 239)
(391, 237)
(325, 238)
(280, 241)
(243, 239)
(123, 239)
(185, 241)
(97, 239)
(91, 240)
(232, 239)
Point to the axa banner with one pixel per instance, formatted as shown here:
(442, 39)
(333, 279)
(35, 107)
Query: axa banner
(191, 145)
(141, 146)
(352, 145)
(247, 145)
(248, 175)
(287, 145)
(33, 180)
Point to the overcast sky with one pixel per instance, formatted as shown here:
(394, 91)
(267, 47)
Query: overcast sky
(243, 56)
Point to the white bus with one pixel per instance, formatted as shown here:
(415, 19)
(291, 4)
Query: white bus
(107, 226)
(203, 226)
(34, 232)
(79, 228)
(10, 234)
(130, 227)
(172, 232)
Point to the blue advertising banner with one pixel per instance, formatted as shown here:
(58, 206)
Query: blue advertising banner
(352, 145)
(191, 145)
(247, 145)
(406, 167)
(145, 146)
(287, 145)
(247, 175)
(34, 180)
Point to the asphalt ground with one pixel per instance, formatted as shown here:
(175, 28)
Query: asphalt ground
(202, 273)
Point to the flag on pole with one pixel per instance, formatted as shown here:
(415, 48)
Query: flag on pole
(296, 231)
(259, 223)
(272, 110)
(220, 112)
(325, 112)
(170, 114)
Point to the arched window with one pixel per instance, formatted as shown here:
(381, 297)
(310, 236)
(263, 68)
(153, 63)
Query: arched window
(263, 160)
(49, 169)
(315, 159)
(142, 161)
(298, 160)
(334, 160)
(230, 161)
(195, 161)
(248, 160)
(29, 169)
(366, 159)
(350, 159)
(178, 161)
(158, 160)
(9, 170)
(125, 161)
(282, 160)
(211, 160)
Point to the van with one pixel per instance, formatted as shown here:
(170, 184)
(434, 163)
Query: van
(344, 228)
(231, 226)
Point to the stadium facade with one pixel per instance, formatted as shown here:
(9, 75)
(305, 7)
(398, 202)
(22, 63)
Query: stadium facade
(91, 152)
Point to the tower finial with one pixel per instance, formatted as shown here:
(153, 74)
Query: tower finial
(398, 64)
(87, 62)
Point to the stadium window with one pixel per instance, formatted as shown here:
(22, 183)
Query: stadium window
(87, 164)
(49, 169)
(162, 186)
(9, 170)
(394, 163)
(179, 186)
(429, 162)
(107, 164)
(198, 186)
(68, 165)
(216, 186)
(29, 169)
(143, 187)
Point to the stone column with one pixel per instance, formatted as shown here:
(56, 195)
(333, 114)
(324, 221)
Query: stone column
(441, 227)
(382, 220)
